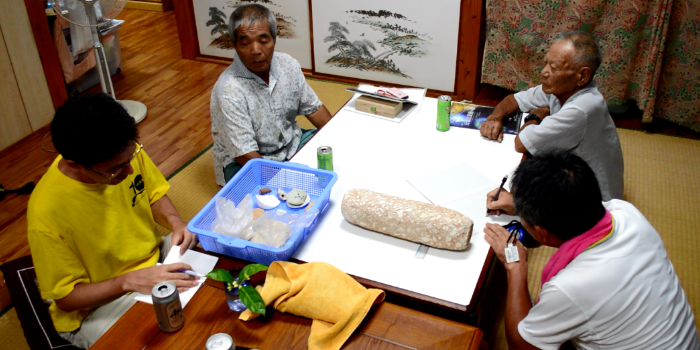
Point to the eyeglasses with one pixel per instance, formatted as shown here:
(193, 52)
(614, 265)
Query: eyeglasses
(118, 169)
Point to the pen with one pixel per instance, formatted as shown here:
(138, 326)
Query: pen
(191, 273)
(495, 197)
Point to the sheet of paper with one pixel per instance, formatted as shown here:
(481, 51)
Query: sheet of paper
(201, 263)
(415, 95)
(452, 183)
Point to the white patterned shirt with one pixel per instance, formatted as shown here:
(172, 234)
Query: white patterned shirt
(248, 115)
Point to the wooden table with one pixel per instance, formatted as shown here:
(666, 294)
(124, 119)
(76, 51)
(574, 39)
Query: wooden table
(387, 326)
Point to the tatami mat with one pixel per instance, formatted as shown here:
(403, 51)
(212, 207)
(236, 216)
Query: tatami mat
(11, 335)
(660, 179)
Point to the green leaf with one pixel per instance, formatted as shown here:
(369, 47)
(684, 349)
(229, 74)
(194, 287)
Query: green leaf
(249, 271)
(220, 275)
(252, 299)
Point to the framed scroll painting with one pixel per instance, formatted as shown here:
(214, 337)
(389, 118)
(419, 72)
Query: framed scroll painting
(293, 28)
(402, 42)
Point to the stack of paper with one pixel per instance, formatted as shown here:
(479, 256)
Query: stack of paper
(201, 263)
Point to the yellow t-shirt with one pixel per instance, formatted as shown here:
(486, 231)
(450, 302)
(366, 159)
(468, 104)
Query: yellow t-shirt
(88, 233)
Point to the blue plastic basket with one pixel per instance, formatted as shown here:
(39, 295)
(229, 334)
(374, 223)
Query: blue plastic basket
(254, 175)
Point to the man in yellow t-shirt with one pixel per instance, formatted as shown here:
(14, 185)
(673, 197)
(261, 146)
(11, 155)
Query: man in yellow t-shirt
(92, 221)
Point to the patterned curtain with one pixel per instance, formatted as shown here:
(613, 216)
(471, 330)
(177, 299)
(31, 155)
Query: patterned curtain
(651, 49)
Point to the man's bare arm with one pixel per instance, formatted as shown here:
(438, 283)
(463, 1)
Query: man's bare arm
(542, 113)
(246, 157)
(519, 147)
(165, 214)
(492, 128)
(518, 302)
(90, 295)
(518, 305)
(320, 117)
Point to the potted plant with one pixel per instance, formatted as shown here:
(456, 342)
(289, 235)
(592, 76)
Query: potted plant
(240, 286)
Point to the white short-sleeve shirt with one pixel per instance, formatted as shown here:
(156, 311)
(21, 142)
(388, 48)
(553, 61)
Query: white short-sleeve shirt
(581, 126)
(249, 115)
(621, 294)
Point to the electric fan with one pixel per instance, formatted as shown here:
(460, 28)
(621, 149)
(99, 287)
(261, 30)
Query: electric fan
(94, 13)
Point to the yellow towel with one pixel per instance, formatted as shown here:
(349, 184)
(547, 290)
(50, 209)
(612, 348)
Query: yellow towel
(335, 302)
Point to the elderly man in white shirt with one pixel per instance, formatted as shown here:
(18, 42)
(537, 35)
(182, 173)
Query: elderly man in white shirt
(255, 102)
(579, 122)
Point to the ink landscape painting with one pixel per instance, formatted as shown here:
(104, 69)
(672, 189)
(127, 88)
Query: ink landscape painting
(398, 42)
(292, 16)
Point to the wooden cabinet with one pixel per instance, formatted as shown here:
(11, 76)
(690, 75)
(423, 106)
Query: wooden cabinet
(25, 100)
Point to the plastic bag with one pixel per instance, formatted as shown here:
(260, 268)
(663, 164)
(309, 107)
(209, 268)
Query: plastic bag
(274, 227)
(231, 220)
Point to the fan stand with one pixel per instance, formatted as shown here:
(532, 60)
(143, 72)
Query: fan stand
(137, 110)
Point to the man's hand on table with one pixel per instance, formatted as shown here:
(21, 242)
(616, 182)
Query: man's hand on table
(504, 204)
(143, 280)
(492, 128)
(184, 238)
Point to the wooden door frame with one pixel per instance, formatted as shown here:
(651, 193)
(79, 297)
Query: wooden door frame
(47, 52)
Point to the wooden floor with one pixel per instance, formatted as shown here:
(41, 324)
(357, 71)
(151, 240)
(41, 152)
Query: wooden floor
(177, 128)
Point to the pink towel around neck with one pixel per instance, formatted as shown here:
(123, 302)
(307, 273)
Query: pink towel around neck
(577, 245)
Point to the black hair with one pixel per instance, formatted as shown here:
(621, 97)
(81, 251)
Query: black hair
(247, 15)
(92, 129)
(559, 192)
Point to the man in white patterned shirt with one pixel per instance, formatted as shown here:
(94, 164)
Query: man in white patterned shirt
(255, 102)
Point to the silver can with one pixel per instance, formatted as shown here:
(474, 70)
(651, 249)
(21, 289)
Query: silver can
(220, 341)
(166, 302)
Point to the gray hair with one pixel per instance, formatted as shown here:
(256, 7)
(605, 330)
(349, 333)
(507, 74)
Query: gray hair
(248, 15)
(587, 53)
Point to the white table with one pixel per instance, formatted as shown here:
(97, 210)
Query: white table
(380, 155)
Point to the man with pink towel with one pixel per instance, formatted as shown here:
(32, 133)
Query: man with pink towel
(609, 286)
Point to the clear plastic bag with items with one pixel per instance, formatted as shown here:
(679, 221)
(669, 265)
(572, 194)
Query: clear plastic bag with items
(274, 227)
(232, 220)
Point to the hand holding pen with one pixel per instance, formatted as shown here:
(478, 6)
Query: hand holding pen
(504, 205)
(191, 273)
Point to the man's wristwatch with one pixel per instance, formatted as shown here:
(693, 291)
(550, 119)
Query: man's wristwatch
(533, 117)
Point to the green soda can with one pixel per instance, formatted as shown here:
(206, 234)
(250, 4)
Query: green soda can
(443, 113)
(324, 154)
